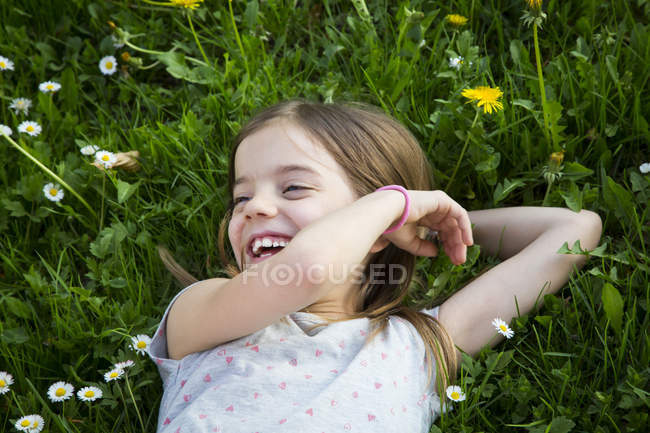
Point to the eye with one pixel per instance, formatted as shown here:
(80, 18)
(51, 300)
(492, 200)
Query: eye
(239, 199)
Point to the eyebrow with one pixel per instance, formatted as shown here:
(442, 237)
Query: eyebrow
(283, 170)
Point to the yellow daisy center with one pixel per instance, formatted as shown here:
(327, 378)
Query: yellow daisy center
(503, 328)
(29, 128)
(35, 423)
(53, 192)
(2, 383)
(109, 65)
(3, 65)
(141, 344)
(24, 423)
(59, 392)
(89, 393)
(114, 374)
(105, 158)
(455, 395)
(49, 87)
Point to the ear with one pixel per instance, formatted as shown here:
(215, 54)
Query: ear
(379, 245)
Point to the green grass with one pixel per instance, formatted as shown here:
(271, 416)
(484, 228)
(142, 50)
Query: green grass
(74, 286)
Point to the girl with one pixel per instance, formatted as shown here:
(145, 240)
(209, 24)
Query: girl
(331, 205)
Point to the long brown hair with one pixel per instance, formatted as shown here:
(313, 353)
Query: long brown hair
(374, 150)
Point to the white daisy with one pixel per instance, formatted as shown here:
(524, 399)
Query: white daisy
(37, 424)
(456, 62)
(53, 192)
(21, 104)
(107, 159)
(24, 423)
(6, 379)
(455, 393)
(114, 374)
(124, 364)
(89, 393)
(503, 328)
(5, 64)
(108, 65)
(140, 343)
(89, 150)
(5, 130)
(29, 127)
(60, 391)
(49, 86)
(30, 423)
(117, 43)
(645, 167)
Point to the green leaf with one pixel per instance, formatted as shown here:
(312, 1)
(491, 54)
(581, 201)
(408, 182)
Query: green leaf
(610, 61)
(502, 191)
(125, 190)
(573, 197)
(554, 116)
(613, 305)
(619, 200)
(527, 104)
(17, 307)
(561, 424)
(15, 207)
(69, 89)
(14, 336)
(575, 171)
(491, 163)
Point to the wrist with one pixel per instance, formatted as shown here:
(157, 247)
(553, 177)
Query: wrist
(403, 210)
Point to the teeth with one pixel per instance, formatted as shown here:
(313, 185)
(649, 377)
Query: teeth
(266, 242)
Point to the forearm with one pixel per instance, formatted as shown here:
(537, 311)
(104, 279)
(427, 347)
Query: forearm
(505, 232)
(342, 239)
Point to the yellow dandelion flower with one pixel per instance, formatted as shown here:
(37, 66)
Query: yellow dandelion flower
(487, 97)
(456, 20)
(188, 4)
(534, 4)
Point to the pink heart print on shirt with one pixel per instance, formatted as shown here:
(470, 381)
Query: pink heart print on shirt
(187, 397)
(377, 385)
(283, 420)
(203, 416)
(167, 421)
(228, 359)
(342, 344)
(307, 376)
(355, 394)
(183, 382)
(230, 408)
(282, 385)
(383, 356)
(293, 362)
(256, 349)
(319, 352)
(207, 378)
(256, 395)
(371, 417)
(310, 412)
(221, 352)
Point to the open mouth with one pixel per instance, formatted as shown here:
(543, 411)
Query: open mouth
(266, 247)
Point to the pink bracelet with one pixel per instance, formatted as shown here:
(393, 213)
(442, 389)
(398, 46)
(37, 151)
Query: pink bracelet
(406, 208)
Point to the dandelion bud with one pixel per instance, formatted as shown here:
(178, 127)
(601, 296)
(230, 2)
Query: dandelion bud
(126, 56)
(557, 157)
(111, 24)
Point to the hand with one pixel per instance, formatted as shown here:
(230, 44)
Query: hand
(436, 211)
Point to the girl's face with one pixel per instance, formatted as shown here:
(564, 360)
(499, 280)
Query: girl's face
(284, 180)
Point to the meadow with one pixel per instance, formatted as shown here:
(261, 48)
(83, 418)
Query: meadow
(161, 89)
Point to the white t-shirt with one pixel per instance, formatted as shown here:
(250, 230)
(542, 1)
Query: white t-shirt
(285, 379)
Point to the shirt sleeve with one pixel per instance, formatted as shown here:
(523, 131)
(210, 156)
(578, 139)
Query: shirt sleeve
(168, 368)
(431, 312)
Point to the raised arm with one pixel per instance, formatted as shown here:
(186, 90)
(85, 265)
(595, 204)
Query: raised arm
(528, 238)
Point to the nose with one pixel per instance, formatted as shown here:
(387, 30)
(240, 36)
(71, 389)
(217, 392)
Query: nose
(260, 205)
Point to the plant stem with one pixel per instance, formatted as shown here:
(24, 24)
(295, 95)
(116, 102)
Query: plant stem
(542, 90)
(101, 215)
(241, 47)
(548, 189)
(128, 386)
(462, 153)
(50, 173)
(196, 38)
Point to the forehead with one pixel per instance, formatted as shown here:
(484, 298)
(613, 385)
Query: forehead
(280, 148)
